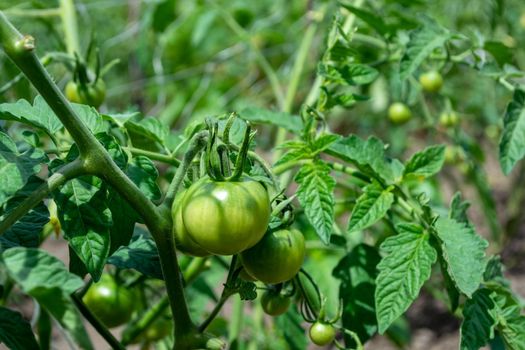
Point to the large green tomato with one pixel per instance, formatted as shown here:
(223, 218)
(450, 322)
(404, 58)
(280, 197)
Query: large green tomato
(91, 94)
(399, 113)
(275, 304)
(111, 303)
(322, 333)
(276, 258)
(183, 241)
(431, 81)
(226, 217)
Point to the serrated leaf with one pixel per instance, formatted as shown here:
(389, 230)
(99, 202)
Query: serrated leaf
(316, 195)
(426, 162)
(323, 142)
(91, 118)
(15, 331)
(512, 143)
(149, 128)
(357, 272)
(370, 207)
(478, 324)
(509, 318)
(38, 115)
(86, 221)
(458, 208)
(402, 272)
(284, 120)
(120, 119)
(423, 42)
(369, 18)
(464, 253)
(348, 74)
(26, 231)
(141, 254)
(369, 156)
(46, 279)
(15, 167)
(247, 290)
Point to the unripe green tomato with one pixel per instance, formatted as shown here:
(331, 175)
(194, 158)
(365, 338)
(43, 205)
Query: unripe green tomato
(451, 155)
(111, 303)
(91, 94)
(431, 81)
(275, 304)
(226, 217)
(399, 113)
(183, 241)
(276, 258)
(448, 119)
(322, 333)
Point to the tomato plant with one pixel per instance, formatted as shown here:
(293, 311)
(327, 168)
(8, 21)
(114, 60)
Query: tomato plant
(183, 169)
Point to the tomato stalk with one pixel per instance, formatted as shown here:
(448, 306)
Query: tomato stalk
(95, 160)
(101, 329)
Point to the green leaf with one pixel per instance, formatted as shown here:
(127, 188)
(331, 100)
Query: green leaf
(458, 209)
(509, 317)
(26, 231)
(322, 142)
(512, 143)
(357, 272)
(369, 156)
(478, 324)
(370, 207)
(141, 255)
(15, 167)
(120, 119)
(284, 120)
(374, 21)
(423, 42)
(34, 269)
(46, 279)
(149, 128)
(91, 118)
(247, 290)
(426, 162)
(402, 272)
(464, 253)
(15, 331)
(316, 195)
(142, 171)
(86, 220)
(38, 115)
(348, 74)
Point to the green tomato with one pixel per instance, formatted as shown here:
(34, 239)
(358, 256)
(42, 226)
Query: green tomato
(276, 258)
(275, 304)
(183, 241)
(226, 217)
(399, 113)
(431, 81)
(448, 119)
(322, 333)
(111, 303)
(91, 94)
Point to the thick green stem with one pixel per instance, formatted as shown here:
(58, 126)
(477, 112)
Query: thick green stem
(100, 328)
(69, 22)
(97, 161)
(20, 49)
(67, 172)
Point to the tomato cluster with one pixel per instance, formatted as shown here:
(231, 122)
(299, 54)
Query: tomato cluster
(92, 94)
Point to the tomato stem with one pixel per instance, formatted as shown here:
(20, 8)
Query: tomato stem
(101, 329)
